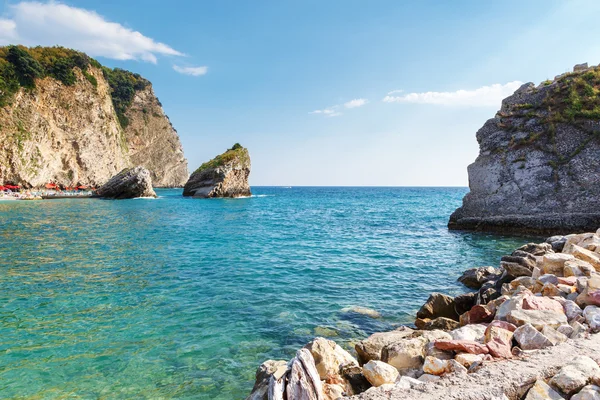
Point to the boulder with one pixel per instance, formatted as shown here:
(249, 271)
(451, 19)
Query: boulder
(379, 373)
(224, 176)
(572, 310)
(329, 357)
(530, 338)
(498, 339)
(511, 304)
(473, 333)
(442, 323)
(554, 263)
(128, 184)
(589, 392)
(566, 330)
(333, 391)
(464, 302)
(542, 391)
(592, 317)
(438, 305)
(405, 354)
(578, 268)
(588, 241)
(515, 269)
(461, 346)
(553, 335)
(370, 348)
(557, 242)
(260, 391)
(537, 318)
(476, 315)
(537, 249)
(435, 366)
(467, 359)
(578, 372)
(355, 380)
(429, 378)
(475, 277)
(587, 255)
(579, 330)
(304, 382)
(591, 294)
(541, 303)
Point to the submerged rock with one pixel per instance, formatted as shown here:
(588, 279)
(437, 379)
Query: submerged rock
(224, 176)
(128, 184)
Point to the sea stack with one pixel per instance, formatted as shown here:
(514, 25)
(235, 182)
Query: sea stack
(128, 184)
(226, 175)
(538, 169)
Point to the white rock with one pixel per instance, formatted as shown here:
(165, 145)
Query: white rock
(472, 332)
(576, 374)
(435, 366)
(590, 392)
(404, 354)
(406, 382)
(429, 378)
(554, 335)
(379, 373)
(328, 357)
(466, 359)
(530, 338)
(592, 317)
(554, 263)
(541, 391)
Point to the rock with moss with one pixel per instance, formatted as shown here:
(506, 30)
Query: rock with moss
(538, 169)
(226, 175)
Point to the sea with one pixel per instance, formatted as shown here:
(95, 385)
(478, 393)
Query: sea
(180, 298)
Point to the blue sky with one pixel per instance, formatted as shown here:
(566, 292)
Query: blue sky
(326, 92)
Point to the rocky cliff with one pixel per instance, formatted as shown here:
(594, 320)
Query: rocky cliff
(66, 119)
(224, 176)
(538, 169)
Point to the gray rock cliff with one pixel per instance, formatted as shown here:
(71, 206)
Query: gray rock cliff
(538, 169)
(128, 184)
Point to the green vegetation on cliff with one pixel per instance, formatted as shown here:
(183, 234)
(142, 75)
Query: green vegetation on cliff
(21, 66)
(236, 152)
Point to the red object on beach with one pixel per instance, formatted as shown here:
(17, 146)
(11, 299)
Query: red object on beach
(82, 187)
(2, 188)
(11, 187)
(51, 186)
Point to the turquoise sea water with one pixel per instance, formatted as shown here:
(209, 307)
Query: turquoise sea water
(183, 298)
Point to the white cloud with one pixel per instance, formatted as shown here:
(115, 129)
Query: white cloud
(49, 24)
(328, 112)
(193, 71)
(355, 103)
(396, 91)
(485, 96)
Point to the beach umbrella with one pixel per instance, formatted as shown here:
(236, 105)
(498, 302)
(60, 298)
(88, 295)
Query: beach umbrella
(51, 186)
(82, 187)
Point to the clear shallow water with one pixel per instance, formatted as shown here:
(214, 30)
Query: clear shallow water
(183, 298)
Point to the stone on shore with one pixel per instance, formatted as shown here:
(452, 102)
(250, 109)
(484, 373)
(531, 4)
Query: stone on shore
(530, 338)
(589, 392)
(537, 318)
(587, 255)
(379, 373)
(329, 357)
(263, 376)
(473, 278)
(554, 263)
(467, 359)
(370, 348)
(304, 382)
(128, 184)
(406, 354)
(472, 332)
(442, 323)
(578, 372)
(224, 176)
(542, 303)
(578, 268)
(592, 317)
(354, 378)
(466, 346)
(542, 391)
(553, 335)
(438, 305)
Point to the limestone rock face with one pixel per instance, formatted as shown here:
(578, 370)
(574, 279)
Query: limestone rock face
(224, 176)
(537, 169)
(152, 141)
(128, 184)
(70, 135)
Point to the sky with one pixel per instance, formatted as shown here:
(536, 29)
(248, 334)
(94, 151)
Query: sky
(326, 92)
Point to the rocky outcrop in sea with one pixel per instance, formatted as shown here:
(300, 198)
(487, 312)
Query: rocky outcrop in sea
(66, 119)
(538, 169)
(529, 331)
(224, 176)
(128, 184)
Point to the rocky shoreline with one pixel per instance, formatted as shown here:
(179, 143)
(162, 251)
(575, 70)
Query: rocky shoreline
(529, 331)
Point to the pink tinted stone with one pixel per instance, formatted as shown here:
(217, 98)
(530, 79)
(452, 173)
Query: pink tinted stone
(499, 349)
(466, 346)
(542, 303)
(571, 280)
(503, 325)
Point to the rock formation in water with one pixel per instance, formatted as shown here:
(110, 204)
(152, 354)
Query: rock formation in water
(224, 176)
(128, 184)
(538, 169)
(66, 119)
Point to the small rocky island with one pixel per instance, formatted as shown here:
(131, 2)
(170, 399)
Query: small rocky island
(538, 169)
(226, 175)
(128, 184)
